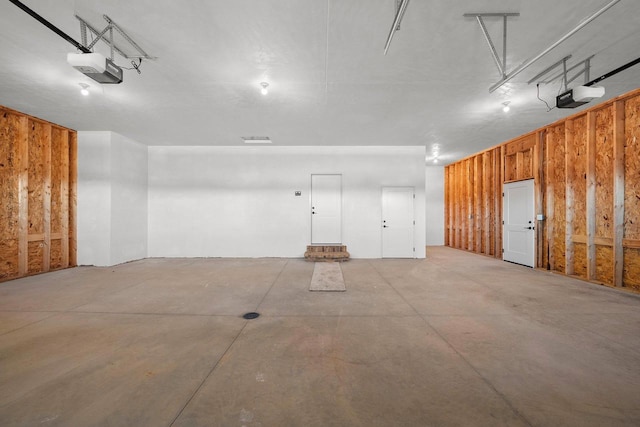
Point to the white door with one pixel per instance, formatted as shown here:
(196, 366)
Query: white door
(397, 222)
(518, 231)
(326, 209)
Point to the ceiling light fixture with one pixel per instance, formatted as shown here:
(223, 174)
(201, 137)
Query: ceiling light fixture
(264, 89)
(85, 89)
(506, 107)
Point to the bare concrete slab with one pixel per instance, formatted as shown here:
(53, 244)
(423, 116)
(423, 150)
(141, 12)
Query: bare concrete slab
(454, 340)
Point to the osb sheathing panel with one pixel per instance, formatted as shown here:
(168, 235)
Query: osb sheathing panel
(578, 160)
(632, 169)
(58, 137)
(580, 259)
(32, 137)
(631, 272)
(604, 173)
(36, 253)
(9, 208)
(527, 164)
(56, 254)
(510, 168)
(37, 144)
(604, 264)
(8, 258)
(556, 137)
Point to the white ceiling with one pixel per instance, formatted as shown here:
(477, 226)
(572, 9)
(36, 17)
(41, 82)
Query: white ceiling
(330, 83)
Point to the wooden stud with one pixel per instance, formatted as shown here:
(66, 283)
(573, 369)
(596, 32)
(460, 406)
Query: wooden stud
(463, 203)
(591, 195)
(538, 175)
(452, 203)
(46, 201)
(457, 190)
(486, 204)
(569, 199)
(499, 203)
(550, 201)
(446, 206)
(618, 190)
(471, 214)
(64, 198)
(23, 196)
(631, 243)
(73, 197)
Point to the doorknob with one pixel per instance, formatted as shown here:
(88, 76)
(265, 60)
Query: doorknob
(529, 228)
(384, 226)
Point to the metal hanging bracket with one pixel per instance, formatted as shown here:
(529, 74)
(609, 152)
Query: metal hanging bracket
(564, 74)
(501, 63)
(529, 62)
(100, 35)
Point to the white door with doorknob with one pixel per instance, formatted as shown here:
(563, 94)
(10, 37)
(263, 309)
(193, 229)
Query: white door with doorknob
(326, 209)
(518, 231)
(398, 222)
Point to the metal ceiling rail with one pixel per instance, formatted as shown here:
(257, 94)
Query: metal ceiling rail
(396, 23)
(50, 26)
(528, 63)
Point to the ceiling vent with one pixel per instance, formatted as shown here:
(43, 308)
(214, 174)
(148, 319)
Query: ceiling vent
(256, 139)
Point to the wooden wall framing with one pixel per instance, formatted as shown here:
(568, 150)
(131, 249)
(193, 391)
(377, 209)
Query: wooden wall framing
(37, 195)
(586, 170)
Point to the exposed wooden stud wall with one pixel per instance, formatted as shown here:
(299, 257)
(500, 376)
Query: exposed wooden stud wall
(587, 182)
(35, 173)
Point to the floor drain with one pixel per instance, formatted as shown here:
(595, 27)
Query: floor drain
(251, 315)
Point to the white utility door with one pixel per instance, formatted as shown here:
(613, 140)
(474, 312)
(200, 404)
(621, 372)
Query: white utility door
(398, 222)
(326, 209)
(518, 231)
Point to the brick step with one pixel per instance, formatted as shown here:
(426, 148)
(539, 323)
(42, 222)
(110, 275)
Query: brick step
(326, 253)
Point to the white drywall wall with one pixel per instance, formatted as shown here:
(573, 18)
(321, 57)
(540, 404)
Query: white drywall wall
(129, 216)
(94, 198)
(240, 202)
(112, 199)
(434, 196)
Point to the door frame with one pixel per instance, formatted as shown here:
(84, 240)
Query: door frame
(311, 205)
(413, 214)
(533, 221)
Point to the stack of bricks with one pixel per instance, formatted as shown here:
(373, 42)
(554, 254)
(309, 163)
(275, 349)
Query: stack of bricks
(326, 253)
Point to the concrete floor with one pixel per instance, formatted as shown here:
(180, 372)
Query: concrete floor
(457, 339)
